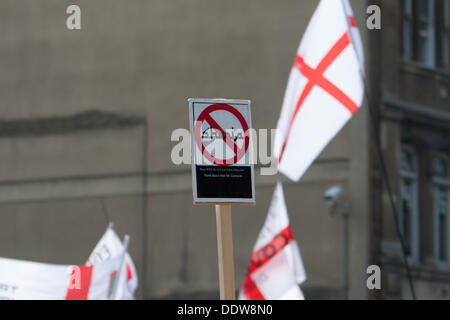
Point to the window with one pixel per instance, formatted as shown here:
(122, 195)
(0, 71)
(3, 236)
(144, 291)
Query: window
(426, 32)
(408, 30)
(444, 32)
(441, 182)
(409, 200)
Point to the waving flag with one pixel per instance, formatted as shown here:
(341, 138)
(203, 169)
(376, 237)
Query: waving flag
(26, 280)
(324, 90)
(276, 268)
(109, 247)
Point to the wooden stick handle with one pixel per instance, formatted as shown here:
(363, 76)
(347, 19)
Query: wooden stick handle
(225, 252)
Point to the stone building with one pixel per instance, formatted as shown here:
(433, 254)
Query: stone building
(412, 52)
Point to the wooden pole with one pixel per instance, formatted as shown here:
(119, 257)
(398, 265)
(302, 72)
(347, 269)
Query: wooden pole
(225, 252)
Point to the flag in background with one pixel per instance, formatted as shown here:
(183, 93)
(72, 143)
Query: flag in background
(324, 90)
(276, 268)
(23, 280)
(355, 35)
(26, 280)
(107, 248)
(95, 280)
(99, 279)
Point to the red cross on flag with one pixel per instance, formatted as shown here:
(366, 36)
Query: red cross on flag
(276, 268)
(324, 90)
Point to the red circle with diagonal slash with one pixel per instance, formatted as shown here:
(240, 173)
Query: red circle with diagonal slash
(206, 116)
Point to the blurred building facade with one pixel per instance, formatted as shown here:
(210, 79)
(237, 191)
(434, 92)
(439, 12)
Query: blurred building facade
(414, 124)
(86, 118)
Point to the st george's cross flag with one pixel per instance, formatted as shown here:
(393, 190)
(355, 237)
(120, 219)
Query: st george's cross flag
(276, 268)
(26, 280)
(324, 90)
(109, 247)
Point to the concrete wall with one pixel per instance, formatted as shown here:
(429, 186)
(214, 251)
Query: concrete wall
(146, 58)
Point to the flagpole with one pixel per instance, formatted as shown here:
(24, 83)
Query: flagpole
(381, 159)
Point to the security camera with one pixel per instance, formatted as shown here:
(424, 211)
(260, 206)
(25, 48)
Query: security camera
(333, 194)
(333, 198)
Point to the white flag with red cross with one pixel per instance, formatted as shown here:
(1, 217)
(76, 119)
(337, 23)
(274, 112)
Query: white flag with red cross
(276, 268)
(26, 280)
(324, 90)
(110, 246)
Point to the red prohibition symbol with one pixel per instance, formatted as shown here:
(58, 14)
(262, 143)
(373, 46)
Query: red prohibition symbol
(206, 116)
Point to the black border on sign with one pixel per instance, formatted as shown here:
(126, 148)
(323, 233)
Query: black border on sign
(196, 199)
